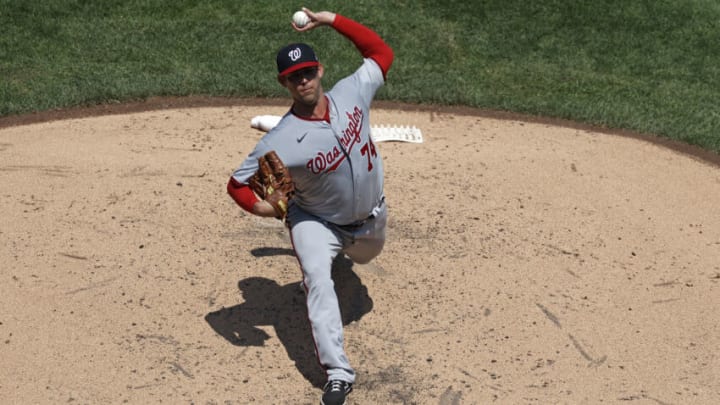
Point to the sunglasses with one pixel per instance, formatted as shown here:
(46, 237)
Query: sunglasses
(298, 76)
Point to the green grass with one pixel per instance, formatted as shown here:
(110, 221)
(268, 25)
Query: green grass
(651, 66)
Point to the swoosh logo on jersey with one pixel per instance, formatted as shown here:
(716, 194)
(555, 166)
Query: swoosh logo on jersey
(301, 137)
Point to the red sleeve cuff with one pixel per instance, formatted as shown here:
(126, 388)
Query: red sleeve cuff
(242, 194)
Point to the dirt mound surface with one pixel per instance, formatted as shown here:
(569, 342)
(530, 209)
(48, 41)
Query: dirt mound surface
(526, 263)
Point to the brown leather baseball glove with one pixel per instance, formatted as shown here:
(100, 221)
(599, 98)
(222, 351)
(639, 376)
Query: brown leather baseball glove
(272, 182)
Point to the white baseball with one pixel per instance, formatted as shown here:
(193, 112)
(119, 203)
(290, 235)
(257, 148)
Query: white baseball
(300, 18)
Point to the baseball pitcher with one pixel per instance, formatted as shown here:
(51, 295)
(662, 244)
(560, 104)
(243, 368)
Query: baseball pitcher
(319, 171)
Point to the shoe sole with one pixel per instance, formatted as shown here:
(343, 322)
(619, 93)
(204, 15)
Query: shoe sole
(344, 402)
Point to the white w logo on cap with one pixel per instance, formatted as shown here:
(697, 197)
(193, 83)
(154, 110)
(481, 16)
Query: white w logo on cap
(295, 54)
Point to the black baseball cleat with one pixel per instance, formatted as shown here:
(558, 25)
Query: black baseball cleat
(335, 392)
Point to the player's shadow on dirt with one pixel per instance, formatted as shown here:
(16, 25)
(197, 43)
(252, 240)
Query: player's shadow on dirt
(283, 308)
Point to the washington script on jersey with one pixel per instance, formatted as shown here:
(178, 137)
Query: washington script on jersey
(333, 158)
(351, 135)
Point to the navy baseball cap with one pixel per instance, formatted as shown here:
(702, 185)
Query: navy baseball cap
(295, 57)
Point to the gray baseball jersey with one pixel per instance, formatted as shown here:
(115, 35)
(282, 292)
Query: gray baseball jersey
(337, 170)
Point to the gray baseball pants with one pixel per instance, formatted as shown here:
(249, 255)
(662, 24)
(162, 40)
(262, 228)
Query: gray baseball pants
(317, 243)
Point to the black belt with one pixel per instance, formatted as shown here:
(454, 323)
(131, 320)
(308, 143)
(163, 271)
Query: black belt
(359, 224)
(356, 225)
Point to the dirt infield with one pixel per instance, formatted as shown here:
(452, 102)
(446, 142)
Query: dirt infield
(526, 263)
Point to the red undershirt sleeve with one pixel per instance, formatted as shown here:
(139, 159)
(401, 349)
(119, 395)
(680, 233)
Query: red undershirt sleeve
(366, 40)
(242, 194)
